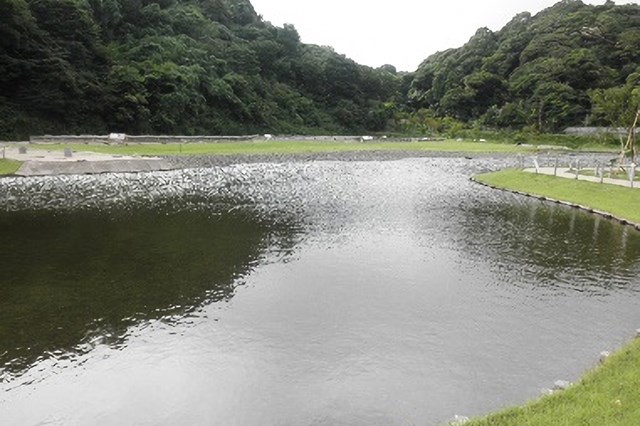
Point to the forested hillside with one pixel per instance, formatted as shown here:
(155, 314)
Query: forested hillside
(217, 67)
(175, 67)
(570, 64)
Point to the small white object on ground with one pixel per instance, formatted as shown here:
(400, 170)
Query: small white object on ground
(117, 136)
(459, 420)
(604, 355)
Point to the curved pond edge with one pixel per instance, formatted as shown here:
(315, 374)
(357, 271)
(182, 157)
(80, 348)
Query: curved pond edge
(538, 407)
(587, 209)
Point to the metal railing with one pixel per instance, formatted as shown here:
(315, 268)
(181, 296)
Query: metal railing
(580, 167)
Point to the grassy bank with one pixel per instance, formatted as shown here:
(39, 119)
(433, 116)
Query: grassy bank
(617, 200)
(608, 395)
(287, 147)
(8, 167)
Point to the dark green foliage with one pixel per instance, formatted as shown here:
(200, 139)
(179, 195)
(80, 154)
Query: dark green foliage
(537, 71)
(175, 66)
(617, 106)
(215, 66)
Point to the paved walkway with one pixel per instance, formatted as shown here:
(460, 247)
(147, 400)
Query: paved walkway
(565, 172)
(32, 154)
(41, 162)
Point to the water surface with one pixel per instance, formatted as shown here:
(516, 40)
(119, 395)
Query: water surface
(299, 293)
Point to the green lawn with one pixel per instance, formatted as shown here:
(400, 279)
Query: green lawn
(8, 167)
(286, 147)
(610, 394)
(617, 200)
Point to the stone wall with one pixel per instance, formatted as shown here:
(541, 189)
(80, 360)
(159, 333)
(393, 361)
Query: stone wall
(138, 139)
(124, 139)
(69, 139)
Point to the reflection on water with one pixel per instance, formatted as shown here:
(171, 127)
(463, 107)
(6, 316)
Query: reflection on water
(72, 281)
(372, 293)
(558, 247)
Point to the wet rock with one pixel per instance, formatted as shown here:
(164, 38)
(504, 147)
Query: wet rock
(561, 385)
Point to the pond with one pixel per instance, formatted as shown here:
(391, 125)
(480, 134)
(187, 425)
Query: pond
(299, 293)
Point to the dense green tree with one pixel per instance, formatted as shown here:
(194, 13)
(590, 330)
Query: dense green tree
(175, 66)
(616, 106)
(537, 70)
(215, 66)
(487, 89)
(556, 105)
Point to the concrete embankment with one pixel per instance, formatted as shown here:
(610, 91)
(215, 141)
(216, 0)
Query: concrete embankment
(50, 163)
(49, 168)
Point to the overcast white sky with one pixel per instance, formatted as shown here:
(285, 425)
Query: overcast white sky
(397, 32)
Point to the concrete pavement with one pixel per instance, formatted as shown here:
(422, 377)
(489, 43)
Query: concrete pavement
(565, 172)
(42, 162)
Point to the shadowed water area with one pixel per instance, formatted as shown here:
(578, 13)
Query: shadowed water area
(299, 293)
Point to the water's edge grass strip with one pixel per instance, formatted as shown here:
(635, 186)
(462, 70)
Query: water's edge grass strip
(611, 201)
(608, 394)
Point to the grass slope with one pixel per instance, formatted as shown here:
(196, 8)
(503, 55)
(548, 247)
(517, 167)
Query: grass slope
(287, 147)
(617, 200)
(610, 394)
(8, 167)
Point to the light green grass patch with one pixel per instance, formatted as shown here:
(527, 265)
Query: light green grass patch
(617, 200)
(285, 147)
(9, 167)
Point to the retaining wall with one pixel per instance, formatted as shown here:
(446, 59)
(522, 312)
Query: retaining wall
(164, 139)
(53, 168)
(138, 139)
